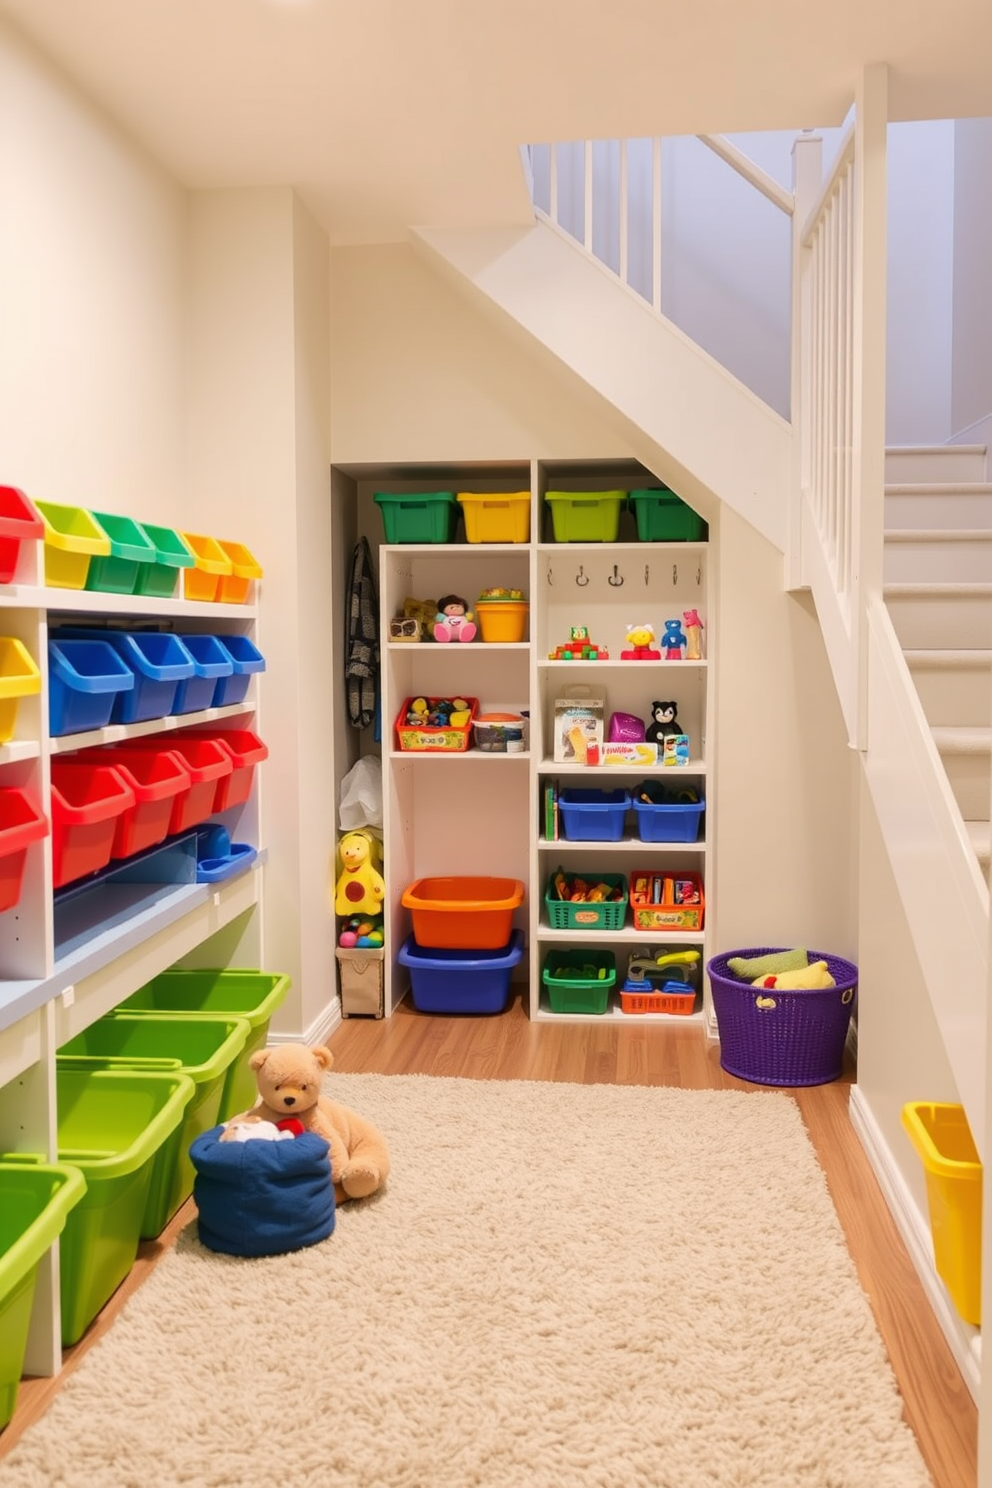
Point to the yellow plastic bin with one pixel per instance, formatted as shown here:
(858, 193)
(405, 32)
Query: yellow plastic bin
(233, 587)
(496, 517)
(211, 564)
(942, 1137)
(19, 677)
(72, 537)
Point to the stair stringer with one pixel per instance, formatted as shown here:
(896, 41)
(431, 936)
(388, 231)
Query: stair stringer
(719, 441)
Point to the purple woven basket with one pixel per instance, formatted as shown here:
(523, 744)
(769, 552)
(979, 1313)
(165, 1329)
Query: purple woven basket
(782, 1038)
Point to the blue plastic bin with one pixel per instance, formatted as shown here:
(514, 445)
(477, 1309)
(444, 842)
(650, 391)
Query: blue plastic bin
(211, 662)
(246, 659)
(158, 661)
(85, 679)
(674, 822)
(593, 815)
(460, 981)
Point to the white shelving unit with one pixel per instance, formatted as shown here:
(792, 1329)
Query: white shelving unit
(482, 813)
(63, 967)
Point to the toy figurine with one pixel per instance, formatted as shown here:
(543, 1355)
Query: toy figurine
(579, 647)
(453, 621)
(673, 640)
(664, 720)
(360, 888)
(641, 640)
(694, 635)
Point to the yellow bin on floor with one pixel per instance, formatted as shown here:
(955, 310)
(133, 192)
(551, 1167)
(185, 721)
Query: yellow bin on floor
(942, 1137)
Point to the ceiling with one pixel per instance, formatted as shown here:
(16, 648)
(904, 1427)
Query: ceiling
(386, 114)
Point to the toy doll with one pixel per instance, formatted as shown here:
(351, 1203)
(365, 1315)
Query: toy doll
(453, 621)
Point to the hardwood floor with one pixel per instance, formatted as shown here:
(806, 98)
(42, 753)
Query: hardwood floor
(938, 1405)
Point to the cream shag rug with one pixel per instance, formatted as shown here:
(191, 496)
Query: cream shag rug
(563, 1286)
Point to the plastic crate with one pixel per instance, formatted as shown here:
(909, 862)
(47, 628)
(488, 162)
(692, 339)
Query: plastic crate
(210, 564)
(677, 1004)
(419, 517)
(245, 750)
(426, 739)
(496, 518)
(19, 677)
(21, 824)
(234, 587)
(502, 620)
(787, 1038)
(246, 660)
(662, 516)
(953, 1173)
(668, 822)
(250, 994)
(563, 914)
(469, 913)
(19, 523)
(201, 1047)
(87, 801)
(72, 538)
(156, 778)
(658, 903)
(579, 981)
(130, 549)
(460, 980)
(211, 662)
(593, 815)
(157, 660)
(585, 516)
(35, 1201)
(160, 576)
(206, 764)
(85, 679)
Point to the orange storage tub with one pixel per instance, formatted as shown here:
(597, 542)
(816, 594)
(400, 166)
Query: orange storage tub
(471, 913)
(210, 565)
(233, 587)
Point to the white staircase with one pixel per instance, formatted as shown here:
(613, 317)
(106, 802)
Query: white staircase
(938, 590)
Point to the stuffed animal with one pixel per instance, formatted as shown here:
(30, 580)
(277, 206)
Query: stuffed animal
(360, 888)
(806, 978)
(289, 1079)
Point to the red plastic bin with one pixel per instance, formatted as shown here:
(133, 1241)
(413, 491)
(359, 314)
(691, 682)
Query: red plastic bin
(206, 763)
(86, 803)
(18, 520)
(21, 823)
(156, 777)
(246, 750)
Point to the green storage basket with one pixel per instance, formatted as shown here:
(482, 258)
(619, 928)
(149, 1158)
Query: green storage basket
(204, 1048)
(35, 1201)
(130, 551)
(419, 517)
(662, 516)
(609, 915)
(585, 516)
(160, 577)
(579, 981)
(253, 995)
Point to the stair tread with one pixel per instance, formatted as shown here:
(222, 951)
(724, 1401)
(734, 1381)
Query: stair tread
(938, 534)
(938, 488)
(901, 590)
(936, 449)
(962, 739)
(980, 836)
(947, 658)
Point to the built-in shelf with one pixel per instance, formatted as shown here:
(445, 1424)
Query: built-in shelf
(114, 733)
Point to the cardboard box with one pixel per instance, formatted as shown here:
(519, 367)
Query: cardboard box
(629, 754)
(578, 725)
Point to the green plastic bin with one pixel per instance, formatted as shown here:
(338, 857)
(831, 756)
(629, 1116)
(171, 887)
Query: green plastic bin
(253, 995)
(35, 1201)
(662, 516)
(585, 516)
(130, 550)
(579, 981)
(160, 577)
(111, 1124)
(203, 1048)
(418, 517)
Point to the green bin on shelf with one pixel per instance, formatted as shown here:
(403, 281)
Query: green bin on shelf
(35, 1201)
(160, 577)
(254, 995)
(72, 538)
(201, 1047)
(130, 550)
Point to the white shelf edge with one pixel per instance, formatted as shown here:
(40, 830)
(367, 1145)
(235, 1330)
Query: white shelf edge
(114, 733)
(19, 749)
(672, 772)
(101, 602)
(627, 935)
(625, 844)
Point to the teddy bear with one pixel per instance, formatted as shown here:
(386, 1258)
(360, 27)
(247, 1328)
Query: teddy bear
(289, 1080)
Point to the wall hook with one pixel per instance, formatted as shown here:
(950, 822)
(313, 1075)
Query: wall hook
(675, 574)
(581, 578)
(699, 577)
(616, 578)
(647, 574)
(551, 575)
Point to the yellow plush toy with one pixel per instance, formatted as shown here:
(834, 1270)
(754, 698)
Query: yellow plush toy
(806, 978)
(360, 888)
(289, 1079)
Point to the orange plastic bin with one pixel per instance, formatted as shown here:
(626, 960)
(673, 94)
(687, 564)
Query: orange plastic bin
(156, 777)
(211, 564)
(21, 823)
(206, 764)
(472, 913)
(233, 587)
(86, 803)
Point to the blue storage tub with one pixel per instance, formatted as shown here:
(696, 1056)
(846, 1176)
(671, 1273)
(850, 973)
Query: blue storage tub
(460, 981)
(593, 815)
(85, 679)
(246, 659)
(158, 662)
(672, 822)
(211, 661)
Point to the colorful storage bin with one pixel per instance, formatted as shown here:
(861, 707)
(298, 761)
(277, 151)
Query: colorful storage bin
(19, 523)
(211, 663)
(85, 679)
(210, 565)
(160, 576)
(245, 567)
(473, 912)
(21, 824)
(19, 677)
(774, 1037)
(157, 660)
(496, 518)
(35, 1201)
(607, 914)
(676, 821)
(579, 981)
(426, 738)
(678, 1004)
(662, 516)
(254, 995)
(420, 517)
(593, 815)
(156, 778)
(502, 621)
(585, 516)
(72, 538)
(667, 900)
(458, 980)
(206, 764)
(130, 549)
(246, 660)
(245, 750)
(953, 1172)
(86, 803)
(203, 1048)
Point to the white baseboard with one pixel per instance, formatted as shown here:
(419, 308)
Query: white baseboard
(963, 1340)
(319, 1031)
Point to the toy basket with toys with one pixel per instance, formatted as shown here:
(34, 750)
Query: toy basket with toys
(774, 1032)
(592, 901)
(431, 723)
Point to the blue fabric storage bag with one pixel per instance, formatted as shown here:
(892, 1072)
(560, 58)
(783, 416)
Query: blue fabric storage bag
(262, 1198)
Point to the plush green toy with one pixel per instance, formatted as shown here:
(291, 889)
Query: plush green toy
(750, 968)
